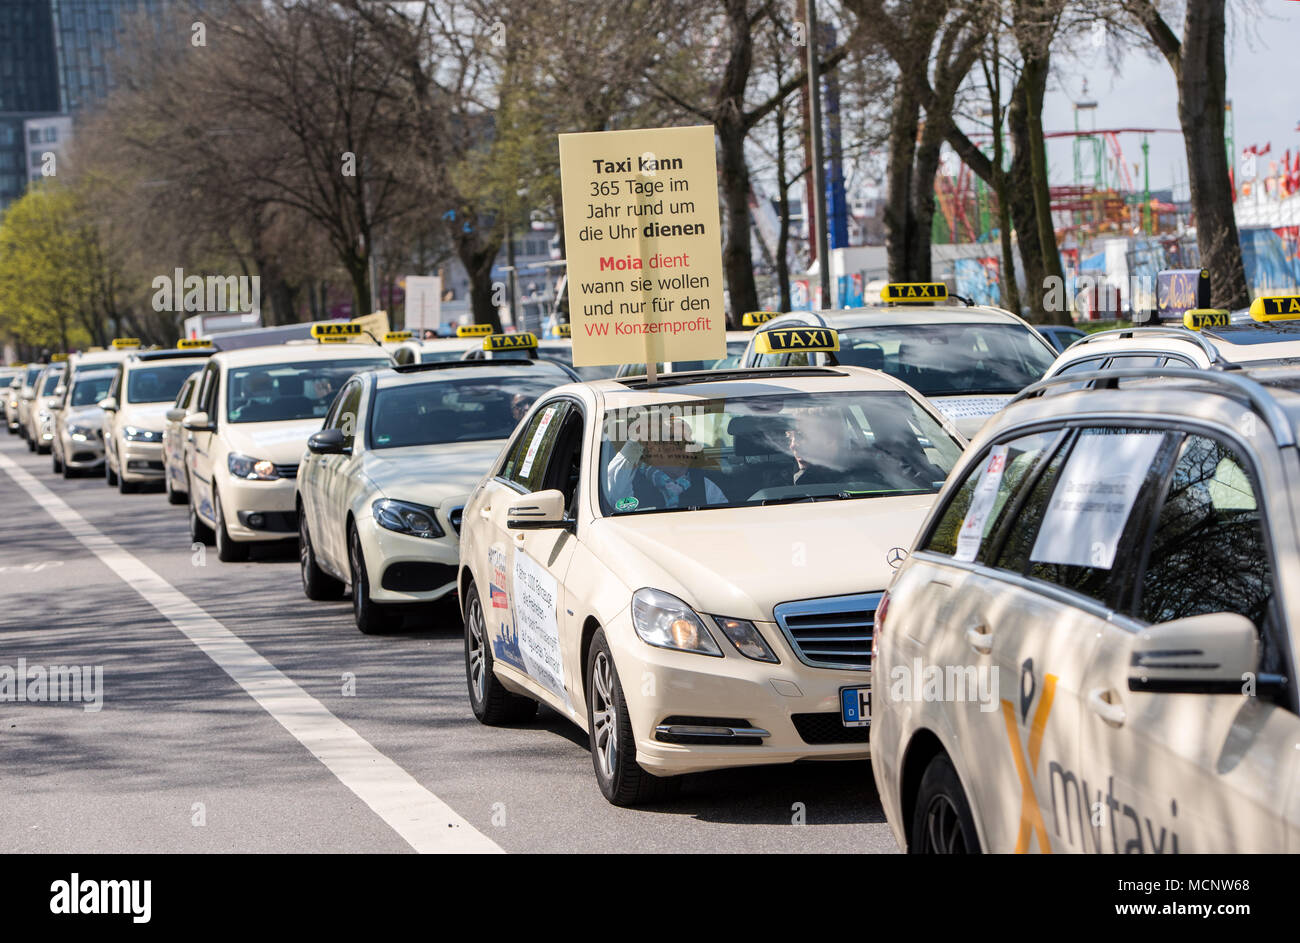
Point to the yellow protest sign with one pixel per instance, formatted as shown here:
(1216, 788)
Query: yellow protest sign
(644, 245)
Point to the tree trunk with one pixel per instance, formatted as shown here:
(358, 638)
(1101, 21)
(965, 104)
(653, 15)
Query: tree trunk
(1032, 86)
(903, 123)
(477, 259)
(737, 255)
(1201, 92)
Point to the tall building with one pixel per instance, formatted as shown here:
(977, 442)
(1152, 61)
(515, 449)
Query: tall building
(55, 61)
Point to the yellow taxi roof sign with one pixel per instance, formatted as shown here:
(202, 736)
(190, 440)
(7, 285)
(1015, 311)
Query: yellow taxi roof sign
(58, 358)
(564, 330)
(1276, 308)
(523, 340)
(334, 339)
(474, 330)
(396, 337)
(121, 343)
(914, 293)
(343, 329)
(755, 318)
(790, 339)
(1194, 319)
(189, 343)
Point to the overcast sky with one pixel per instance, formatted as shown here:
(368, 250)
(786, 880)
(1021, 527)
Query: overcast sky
(1263, 84)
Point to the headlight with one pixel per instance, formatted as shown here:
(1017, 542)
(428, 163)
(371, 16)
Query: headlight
(136, 434)
(416, 520)
(252, 469)
(43, 415)
(663, 620)
(80, 433)
(746, 637)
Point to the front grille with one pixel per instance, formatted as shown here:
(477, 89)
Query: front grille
(414, 576)
(287, 471)
(454, 517)
(832, 632)
(827, 727)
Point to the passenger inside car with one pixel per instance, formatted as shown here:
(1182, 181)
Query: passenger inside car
(663, 474)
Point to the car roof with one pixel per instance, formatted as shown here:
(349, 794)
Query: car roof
(167, 357)
(843, 319)
(297, 353)
(105, 371)
(456, 370)
(98, 356)
(754, 381)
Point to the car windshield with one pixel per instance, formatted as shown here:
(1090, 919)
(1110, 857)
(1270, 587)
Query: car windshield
(279, 392)
(471, 410)
(771, 449)
(32, 374)
(90, 389)
(51, 382)
(156, 384)
(950, 359)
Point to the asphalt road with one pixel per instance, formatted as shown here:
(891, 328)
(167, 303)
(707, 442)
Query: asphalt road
(182, 758)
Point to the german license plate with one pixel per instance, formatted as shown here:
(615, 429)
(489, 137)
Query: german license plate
(855, 706)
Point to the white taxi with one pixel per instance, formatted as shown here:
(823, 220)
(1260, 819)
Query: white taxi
(382, 484)
(175, 477)
(969, 360)
(255, 409)
(46, 393)
(1093, 644)
(1208, 339)
(78, 444)
(689, 570)
(135, 413)
(20, 399)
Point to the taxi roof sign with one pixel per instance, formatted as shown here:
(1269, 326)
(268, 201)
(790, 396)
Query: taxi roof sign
(914, 293)
(189, 343)
(524, 340)
(474, 330)
(564, 330)
(755, 318)
(341, 329)
(334, 339)
(1194, 319)
(58, 358)
(121, 343)
(790, 339)
(396, 337)
(1276, 308)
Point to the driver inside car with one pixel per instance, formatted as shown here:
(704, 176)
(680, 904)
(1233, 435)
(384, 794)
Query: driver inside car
(663, 474)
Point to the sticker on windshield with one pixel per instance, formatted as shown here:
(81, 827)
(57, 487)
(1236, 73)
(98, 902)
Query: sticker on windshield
(969, 407)
(626, 504)
(531, 454)
(981, 505)
(1093, 498)
(535, 594)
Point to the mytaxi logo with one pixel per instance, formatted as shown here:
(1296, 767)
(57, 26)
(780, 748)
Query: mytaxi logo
(1031, 816)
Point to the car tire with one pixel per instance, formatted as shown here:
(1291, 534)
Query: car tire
(31, 446)
(371, 617)
(316, 583)
(621, 779)
(200, 532)
(110, 476)
(227, 550)
(942, 823)
(491, 703)
(55, 463)
(124, 486)
(173, 496)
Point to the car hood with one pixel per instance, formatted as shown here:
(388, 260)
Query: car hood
(789, 551)
(91, 416)
(430, 474)
(145, 415)
(969, 413)
(278, 442)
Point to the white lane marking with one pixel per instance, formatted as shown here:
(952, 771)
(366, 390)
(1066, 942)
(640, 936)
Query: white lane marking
(422, 819)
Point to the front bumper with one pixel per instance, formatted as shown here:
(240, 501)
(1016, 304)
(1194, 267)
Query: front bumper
(795, 705)
(406, 569)
(140, 461)
(86, 452)
(273, 500)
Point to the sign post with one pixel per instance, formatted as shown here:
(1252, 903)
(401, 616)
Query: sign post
(644, 246)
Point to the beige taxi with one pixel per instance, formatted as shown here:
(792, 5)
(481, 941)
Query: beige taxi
(1092, 646)
(135, 408)
(41, 404)
(381, 486)
(968, 360)
(689, 570)
(78, 444)
(254, 411)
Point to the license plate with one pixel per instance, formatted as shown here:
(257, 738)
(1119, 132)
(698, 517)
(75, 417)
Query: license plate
(855, 706)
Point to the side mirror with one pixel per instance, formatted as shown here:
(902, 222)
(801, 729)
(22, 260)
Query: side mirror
(175, 414)
(1206, 654)
(327, 442)
(541, 510)
(108, 404)
(60, 390)
(198, 422)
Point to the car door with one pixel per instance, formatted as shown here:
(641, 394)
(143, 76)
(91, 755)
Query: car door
(174, 434)
(111, 424)
(523, 589)
(1197, 772)
(199, 444)
(333, 474)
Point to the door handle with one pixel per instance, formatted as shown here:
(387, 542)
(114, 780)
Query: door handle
(485, 512)
(1111, 713)
(980, 638)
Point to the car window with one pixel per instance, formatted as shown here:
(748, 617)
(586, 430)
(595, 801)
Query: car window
(207, 397)
(474, 409)
(564, 469)
(1132, 361)
(526, 464)
(1208, 551)
(1079, 524)
(156, 384)
(91, 388)
(183, 397)
(343, 414)
(281, 392)
(978, 505)
(51, 382)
